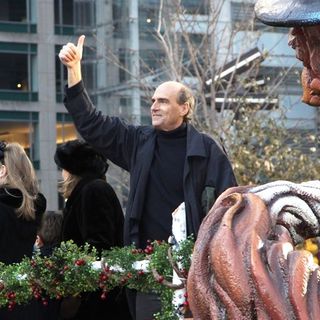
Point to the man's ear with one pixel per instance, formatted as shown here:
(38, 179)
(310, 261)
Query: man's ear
(3, 171)
(184, 109)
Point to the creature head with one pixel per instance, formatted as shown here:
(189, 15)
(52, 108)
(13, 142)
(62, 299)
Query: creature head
(303, 16)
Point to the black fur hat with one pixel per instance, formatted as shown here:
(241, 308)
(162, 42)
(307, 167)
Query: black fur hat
(80, 159)
(288, 13)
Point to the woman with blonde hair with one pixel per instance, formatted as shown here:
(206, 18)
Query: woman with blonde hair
(21, 204)
(21, 209)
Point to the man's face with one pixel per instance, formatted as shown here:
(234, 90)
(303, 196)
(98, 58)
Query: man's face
(166, 113)
(306, 41)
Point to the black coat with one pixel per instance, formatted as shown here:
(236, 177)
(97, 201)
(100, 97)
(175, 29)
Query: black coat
(93, 214)
(207, 170)
(17, 235)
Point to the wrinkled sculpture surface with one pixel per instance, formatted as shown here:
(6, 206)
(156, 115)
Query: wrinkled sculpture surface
(244, 264)
(304, 18)
(306, 42)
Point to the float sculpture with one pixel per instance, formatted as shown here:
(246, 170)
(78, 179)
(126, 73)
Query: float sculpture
(303, 16)
(245, 266)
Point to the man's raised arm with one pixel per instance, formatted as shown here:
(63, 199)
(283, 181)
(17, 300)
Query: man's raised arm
(70, 55)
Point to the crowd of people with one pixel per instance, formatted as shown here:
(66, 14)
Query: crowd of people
(170, 162)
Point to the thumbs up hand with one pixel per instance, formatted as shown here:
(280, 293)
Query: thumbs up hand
(70, 54)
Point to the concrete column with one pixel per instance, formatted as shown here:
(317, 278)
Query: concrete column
(47, 101)
(134, 59)
(104, 28)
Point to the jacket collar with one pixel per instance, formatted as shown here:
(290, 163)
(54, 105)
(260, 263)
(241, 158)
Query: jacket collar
(11, 197)
(195, 145)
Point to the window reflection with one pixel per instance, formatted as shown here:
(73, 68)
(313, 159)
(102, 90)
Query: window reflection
(14, 71)
(15, 11)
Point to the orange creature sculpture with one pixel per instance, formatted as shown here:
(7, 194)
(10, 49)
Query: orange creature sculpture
(245, 265)
(304, 18)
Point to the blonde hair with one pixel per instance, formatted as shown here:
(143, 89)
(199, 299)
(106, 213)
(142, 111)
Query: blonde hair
(21, 175)
(66, 186)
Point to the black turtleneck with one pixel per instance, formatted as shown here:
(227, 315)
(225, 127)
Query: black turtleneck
(164, 191)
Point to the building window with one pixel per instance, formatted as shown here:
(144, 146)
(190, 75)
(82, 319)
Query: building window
(120, 19)
(71, 15)
(88, 72)
(148, 20)
(63, 16)
(151, 60)
(22, 127)
(124, 64)
(61, 76)
(17, 16)
(17, 61)
(195, 7)
(84, 15)
(65, 128)
(242, 16)
(288, 77)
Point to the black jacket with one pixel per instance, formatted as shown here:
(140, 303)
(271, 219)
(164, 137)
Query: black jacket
(93, 214)
(207, 171)
(17, 235)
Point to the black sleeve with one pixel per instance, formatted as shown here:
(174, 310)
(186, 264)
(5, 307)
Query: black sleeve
(110, 135)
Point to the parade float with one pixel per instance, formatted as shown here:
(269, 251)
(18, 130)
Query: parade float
(256, 255)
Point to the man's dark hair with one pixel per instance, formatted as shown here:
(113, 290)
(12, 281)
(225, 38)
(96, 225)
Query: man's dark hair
(185, 96)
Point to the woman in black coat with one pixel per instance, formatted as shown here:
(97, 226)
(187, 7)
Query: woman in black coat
(21, 209)
(93, 215)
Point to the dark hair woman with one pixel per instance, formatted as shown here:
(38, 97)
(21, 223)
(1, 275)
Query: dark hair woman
(93, 215)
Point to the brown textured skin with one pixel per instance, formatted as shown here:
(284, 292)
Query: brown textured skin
(232, 276)
(306, 41)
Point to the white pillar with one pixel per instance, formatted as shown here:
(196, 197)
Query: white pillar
(47, 102)
(134, 59)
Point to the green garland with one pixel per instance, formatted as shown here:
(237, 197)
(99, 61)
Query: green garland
(69, 272)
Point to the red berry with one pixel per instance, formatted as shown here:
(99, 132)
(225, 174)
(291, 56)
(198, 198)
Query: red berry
(37, 296)
(11, 295)
(80, 262)
(103, 277)
(103, 295)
